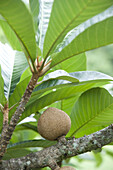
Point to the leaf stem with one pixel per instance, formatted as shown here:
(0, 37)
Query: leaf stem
(45, 68)
(4, 130)
(13, 106)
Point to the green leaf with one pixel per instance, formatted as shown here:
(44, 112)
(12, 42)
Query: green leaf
(13, 64)
(26, 126)
(83, 26)
(92, 112)
(17, 153)
(21, 23)
(27, 73)
(17, 150)
(2, 96)
(84, 76)
(20, 63)
(17, 94)
(65, 17)
(34, 6)
(87, 80)
(67, 104)
(87, 40)
(22, 146)
(23, 135)
(110, 153)
(64, 89)
(60, 74)
(31, 143)
(76, 63)
(11, 36)
(43, 20)
(98, 158)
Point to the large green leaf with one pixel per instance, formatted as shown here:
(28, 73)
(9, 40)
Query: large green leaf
(21, 86)
(93, 37)
(2, 97)
(11, 36)
(66, 15)
(17, 150)
(17, 153)
(12, 64)
(43, 19)
(31, 143)
(98, 158)
(34, 6)
(68, 90)
(76, 63)
(52, 90)
(92, 111)
(17, 94)
(20, 20)
(26, 74)
(67, 104)
(27, 126)
(80, 28)
(20, 63)
(60, 74)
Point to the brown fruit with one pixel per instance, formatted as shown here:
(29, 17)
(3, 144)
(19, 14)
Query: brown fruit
(67, 168)
(53, 123)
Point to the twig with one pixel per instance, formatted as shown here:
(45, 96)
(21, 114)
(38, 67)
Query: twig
(13, 106)
(61, 151)
(45, 69)
(5, 112)
(30, 66)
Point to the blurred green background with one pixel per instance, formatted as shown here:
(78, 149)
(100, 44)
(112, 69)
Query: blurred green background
(101, 59)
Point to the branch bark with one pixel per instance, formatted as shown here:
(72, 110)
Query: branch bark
(60, 151)
(5, 112)
(15, 118)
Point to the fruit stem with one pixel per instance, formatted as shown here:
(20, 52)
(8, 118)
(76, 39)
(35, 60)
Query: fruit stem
(62, 139)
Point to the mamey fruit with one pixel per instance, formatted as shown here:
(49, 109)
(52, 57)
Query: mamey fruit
(53, 123)
(67, 168)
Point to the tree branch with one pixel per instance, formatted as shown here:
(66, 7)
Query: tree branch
(60, 151)
(5, 112)
(20, 109)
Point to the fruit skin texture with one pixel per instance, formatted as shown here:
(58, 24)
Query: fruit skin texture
(53, 123)
(67, 168)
